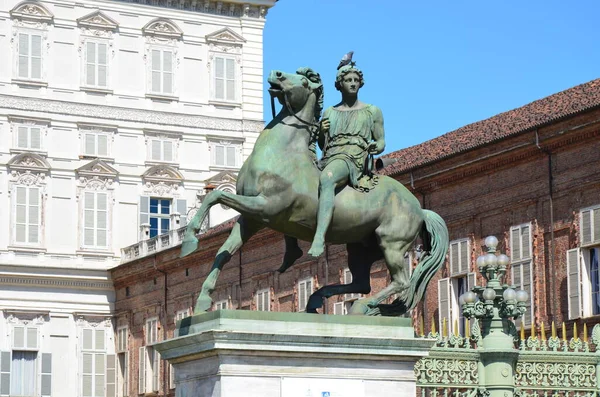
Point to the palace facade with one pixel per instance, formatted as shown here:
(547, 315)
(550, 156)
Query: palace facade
(116, 117)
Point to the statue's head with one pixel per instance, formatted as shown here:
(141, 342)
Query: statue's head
(293, 89)
(346, 70)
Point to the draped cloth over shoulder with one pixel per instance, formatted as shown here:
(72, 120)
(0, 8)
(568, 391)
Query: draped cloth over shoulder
(348, 140)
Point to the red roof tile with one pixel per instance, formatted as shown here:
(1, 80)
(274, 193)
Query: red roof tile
(534, 114)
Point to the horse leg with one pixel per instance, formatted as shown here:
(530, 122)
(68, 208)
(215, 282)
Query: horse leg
(240, 233)
(292, 253)
(360, 260)
(393, 252)
(252, 205)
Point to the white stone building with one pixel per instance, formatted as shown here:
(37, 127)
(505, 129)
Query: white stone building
(113, 117)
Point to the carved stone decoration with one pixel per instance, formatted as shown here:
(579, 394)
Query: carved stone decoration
(163, 27)
(26, 319)
(28, 161)
(225, 37)
(97, 168)
(162, 180)
(98, 20)
(93, 322)
(31, 11)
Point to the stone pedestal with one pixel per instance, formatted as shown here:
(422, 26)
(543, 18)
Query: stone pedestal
(231, 353)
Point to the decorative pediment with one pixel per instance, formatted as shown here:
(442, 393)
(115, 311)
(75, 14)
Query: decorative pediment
(163, 27)
(98, 20)
(31, 11)
(162, 173)
(28, 162)
(97, 168)
(225, 37)
(223, 177)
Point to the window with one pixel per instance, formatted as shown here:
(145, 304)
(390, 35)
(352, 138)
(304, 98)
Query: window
(590, 226)
(149, 360)
(95, 220)
(181, 314)
(521, 268)
(161, 149)
(583, 282)
(263, 300)
(348, 280)
(95, 143)
(29, 137)
(98, 368)
(224, 79)
(225, 154)
(460, 281)
(162, 71)
(29, 56)
(340, 308)
(122, 362)
(305, 289)
(27, 214)
(96, 64)
(160, 216)
(221, 305)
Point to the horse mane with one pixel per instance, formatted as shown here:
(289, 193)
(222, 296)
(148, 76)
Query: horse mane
(317, 86)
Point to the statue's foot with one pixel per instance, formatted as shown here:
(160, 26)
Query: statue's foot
(291, 255)
(316, 249)
(203, 304)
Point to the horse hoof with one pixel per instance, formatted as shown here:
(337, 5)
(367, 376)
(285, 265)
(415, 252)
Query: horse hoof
(203, 304)
(312, 311)
(188, 246)
(290, 258)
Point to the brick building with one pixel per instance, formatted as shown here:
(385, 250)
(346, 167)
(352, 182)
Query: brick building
(529, 176)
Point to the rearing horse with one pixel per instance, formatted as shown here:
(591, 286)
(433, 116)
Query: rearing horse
(277, 187)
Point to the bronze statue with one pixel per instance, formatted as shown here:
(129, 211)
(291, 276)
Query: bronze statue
(277, 187)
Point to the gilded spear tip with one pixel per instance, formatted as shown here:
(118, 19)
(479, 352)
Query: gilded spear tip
(522, 331)
(585, 335)
(553, 330)
(543, 331)
(444, 327)
(575, 333)
(564, 332)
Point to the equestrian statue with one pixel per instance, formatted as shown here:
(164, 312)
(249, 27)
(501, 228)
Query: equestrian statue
(338, 199)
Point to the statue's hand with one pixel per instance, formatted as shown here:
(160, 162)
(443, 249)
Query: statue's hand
(325, 124)
(374, 148)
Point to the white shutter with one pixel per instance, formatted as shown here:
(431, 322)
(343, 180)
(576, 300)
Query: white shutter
(23, 68)
(90, 67)
(231, 156)
(111, 375)
(219, 155)
(36, 56)
(5, 364)
(527, 286)
(464, 257)
(102, 145)
(471, 281)
(99, 342)
(156, 71)
(32, 338)
(219, 65)
(586, 227)
(88, 336)
(101, 219)
(89, 205)
(301, 296)
(167, 151)
(19, 337)
(596, 224)
(167, 72)
(35, 135)
(338, 308)
(525, 242)
(23, 137)
(88, 374)
(33, 215)
(444, 300)
(144, 210)
(142, 371)
(454, 259)
(230, 79)
(46, 386)
(515, 244)
(171, 377)
(181, 207)
(156, 149)
(99, 372)
(574, 283)
(90, 144)
(155, 370)
(21, 215)
(102, 65)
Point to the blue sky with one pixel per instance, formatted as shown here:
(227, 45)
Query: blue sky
(435, 66)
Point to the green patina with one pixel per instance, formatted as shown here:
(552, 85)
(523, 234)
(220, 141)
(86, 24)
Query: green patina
(281, 187)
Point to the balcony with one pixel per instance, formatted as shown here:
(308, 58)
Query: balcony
(152, 245)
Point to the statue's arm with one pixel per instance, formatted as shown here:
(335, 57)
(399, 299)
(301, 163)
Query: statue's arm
(378, 132)
(323, 129)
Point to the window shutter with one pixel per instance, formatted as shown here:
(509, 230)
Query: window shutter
(527, 287)
(90, 144)
(99, 345)
(23, 55)
(338, 308)
(101, 220)
(102, 65)
(21, 215)
(88, 336)
(230, 79)
(90, 63)
(32, 338)
(167, 72)
(111, 375)
(181, 207)
(464, 257)
(36, 138)
(171, 377)
(155, 370)
(471, 281)
(126, 374)
(88, 375)
(88, 218)
(167, 151)
(144, 210)
(156, 149)
(444, 300)
(34, 218)
(525, 242)
(46, 374)
(36, 56)
(301, 296)
(102, 145)
(515, 245)
(219, 155)
(22, 137)
(99, 371)
(19, 337)
(219, 78)
(454, 259)
(574, 283)
(156, 71)
(5, 363)
(231, 156)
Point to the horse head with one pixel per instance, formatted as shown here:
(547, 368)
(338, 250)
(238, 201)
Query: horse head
(293, 90)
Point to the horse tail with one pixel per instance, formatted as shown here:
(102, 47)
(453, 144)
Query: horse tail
(435, 243)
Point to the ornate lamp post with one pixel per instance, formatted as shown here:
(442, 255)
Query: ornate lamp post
(495, 305)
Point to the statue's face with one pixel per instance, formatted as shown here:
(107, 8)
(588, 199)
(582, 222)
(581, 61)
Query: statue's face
(350, 84)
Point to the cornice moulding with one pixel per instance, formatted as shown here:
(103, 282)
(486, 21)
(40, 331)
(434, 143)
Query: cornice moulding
(54, 282)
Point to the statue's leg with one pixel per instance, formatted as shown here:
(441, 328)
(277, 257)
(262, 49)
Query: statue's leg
(334, 175)
(240, 233)
(292, 253)
(360, 260)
